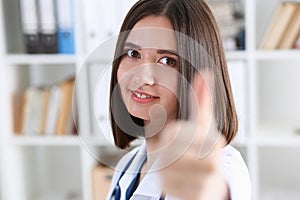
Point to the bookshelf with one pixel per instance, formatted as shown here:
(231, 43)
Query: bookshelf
(34, 166)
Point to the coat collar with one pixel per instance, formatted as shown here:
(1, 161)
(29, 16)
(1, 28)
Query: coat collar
(150, 187)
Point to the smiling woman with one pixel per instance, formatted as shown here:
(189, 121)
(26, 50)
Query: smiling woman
(170, 85)
(137, 74)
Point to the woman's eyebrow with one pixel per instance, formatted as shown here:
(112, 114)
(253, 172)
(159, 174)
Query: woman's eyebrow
(159, 51)
(131, 45)
(167, 51)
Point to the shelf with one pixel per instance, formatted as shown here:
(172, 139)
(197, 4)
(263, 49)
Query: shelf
(22, 59)
(281, 137)
(278, 141)
(45, 140)
(236, 55)
(94, 141)
(278, 55)
(280, 194)
(19, 59)
(59, 195)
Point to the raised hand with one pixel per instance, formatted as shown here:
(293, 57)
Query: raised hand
(195, 146)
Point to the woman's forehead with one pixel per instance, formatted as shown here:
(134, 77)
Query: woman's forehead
(153, 32)
(154, 22)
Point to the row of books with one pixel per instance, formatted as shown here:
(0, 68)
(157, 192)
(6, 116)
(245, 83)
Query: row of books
(47, 26)
(45, 111)
(283, 31)
(230, 19)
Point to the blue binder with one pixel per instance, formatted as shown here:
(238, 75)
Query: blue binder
(65, 41)
(65, 31)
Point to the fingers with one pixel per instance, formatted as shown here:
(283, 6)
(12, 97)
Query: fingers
(188, 177)
(197, 145)
(200, 131)
(192, 144)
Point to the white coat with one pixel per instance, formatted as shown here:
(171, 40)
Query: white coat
(233, 168)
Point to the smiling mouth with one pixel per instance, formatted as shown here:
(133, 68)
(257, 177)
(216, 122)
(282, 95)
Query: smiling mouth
(143, 97)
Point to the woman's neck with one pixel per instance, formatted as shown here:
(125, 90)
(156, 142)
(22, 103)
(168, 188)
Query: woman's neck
(153, 144)
(155, 141)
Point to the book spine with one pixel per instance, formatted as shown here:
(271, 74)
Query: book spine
(65, 107)
(29, 21)
(65, 33)
(53, 109)
(92, 20)
(292, 31)
(45, 102)
(48, 31)
(33, 111)
(278, 25)
(17, 101)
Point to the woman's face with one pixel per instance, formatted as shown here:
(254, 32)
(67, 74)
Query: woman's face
(148, 70)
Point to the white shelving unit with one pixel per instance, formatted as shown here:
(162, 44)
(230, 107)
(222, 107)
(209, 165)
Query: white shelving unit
(276, 115)
(60, 167)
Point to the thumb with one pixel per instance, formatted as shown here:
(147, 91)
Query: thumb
(201, 101)
(202, 114)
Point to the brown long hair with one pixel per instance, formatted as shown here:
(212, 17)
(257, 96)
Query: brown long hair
(194, 19)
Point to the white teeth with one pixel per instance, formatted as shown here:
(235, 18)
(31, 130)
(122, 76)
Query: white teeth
(142, 96)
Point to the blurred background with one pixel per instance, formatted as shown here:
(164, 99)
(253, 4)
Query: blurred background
(50, 137)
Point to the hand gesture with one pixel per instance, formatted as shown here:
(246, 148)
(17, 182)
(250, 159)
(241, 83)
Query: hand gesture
(196, 172)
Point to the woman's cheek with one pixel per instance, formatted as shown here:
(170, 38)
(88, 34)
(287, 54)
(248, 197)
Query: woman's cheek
(123, 78)
(120, 73)
(124, 67)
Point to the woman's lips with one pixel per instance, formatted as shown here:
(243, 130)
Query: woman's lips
(142, 97)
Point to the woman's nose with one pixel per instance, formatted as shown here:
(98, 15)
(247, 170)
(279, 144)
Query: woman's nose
(145, 74)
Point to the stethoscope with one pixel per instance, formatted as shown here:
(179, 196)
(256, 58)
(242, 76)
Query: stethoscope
(116, 194)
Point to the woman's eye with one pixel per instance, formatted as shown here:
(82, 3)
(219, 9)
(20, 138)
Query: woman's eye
(168, 61)
(133, 53)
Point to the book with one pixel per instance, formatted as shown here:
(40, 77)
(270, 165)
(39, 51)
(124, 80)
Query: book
(17, 104)
(292, 32)
(35, 102)
(241, 40)
(30, 26)
(94, 32)
(101, 26)
(278, 25)
(27, 120)
(65, 33)
(65, 107)
(101, 177)
(47, 23)
(44, 111)
(52, 110)
(230, 20)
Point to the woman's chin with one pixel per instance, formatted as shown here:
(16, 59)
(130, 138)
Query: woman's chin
(140, 114)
